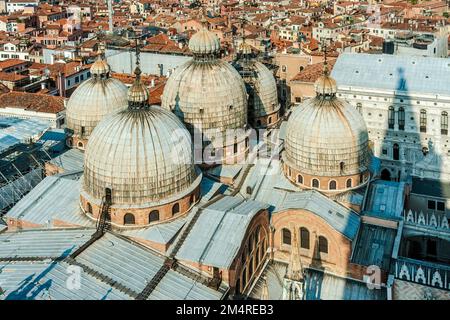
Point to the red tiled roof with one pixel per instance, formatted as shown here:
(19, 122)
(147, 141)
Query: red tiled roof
(312, 72)
(32, 101)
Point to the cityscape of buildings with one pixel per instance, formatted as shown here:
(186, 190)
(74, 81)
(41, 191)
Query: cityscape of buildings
(224, 150)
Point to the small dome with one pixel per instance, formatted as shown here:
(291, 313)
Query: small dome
(143, 155)
(327, 136)
(325, 85)
(94, 99)
(204, 42)
(100, 67)
(138, 92)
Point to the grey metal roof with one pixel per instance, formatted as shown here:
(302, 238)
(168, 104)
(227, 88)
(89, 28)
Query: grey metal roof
(123, 261)
(338, 217)
(48, 281)
(325, 286)
(55, 198)
(216, 236)
(71, 160)
(15, 130)
(385, 199)
(318, 285)
(175, 286)
(161, 233)
(51, 243)
(210, 188)
(374, 246)
(429, 187)
(394, 73)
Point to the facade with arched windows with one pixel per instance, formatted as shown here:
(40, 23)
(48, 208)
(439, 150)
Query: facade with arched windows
(320, 243)
(412, 117)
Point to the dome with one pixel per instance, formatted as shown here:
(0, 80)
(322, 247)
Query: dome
(100, 67)
(326, 137)
(204, 42)
(94, 99)
(144, 156)
(325, 85)
(261, 87)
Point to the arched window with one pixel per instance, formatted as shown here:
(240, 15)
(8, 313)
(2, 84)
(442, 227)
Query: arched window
(235, 148)
(80, 145)
(396, 152)
(401, 118)
(89, 208)
(423, 120)
(341, 166)
(128, 219)
(269, 120)
(359, 107)
(304, 238)
(192, 199)
(391, 117)
(332, 185)
(153, 216)
(299, 178)
(175, 208)
(444, 123)
(289, 172)
(286, 234)
(315, 183)
(385, 175)
(323, 244)
(349, 183)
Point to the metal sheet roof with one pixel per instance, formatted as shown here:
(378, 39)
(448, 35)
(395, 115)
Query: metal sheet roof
(325, 286)
(385, 199)
(160, 233)
(407, 74)
(175, 286)
(338, 217)
(15, 130)
(374, 246)
(48, 281)
(42, 243)
(216, 236)
(55, 198)
(123, 261)
(71, 160)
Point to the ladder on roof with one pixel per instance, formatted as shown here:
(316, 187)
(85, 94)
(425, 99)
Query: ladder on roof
(103, 224)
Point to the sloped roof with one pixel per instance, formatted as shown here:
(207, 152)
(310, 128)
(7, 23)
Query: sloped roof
(217, 235)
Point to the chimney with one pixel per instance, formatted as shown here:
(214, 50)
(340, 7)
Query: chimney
(152, 84)
(62, 84)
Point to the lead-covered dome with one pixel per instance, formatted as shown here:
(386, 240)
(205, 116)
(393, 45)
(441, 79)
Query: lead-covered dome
(204, 42)
(326, 140)
(263, 106)
(207, 93)
(94, 99)
(144, 155)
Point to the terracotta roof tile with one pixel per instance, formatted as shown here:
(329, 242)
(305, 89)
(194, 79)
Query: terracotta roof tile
(32, 101)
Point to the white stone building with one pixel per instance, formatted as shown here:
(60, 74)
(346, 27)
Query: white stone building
(405, 102)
